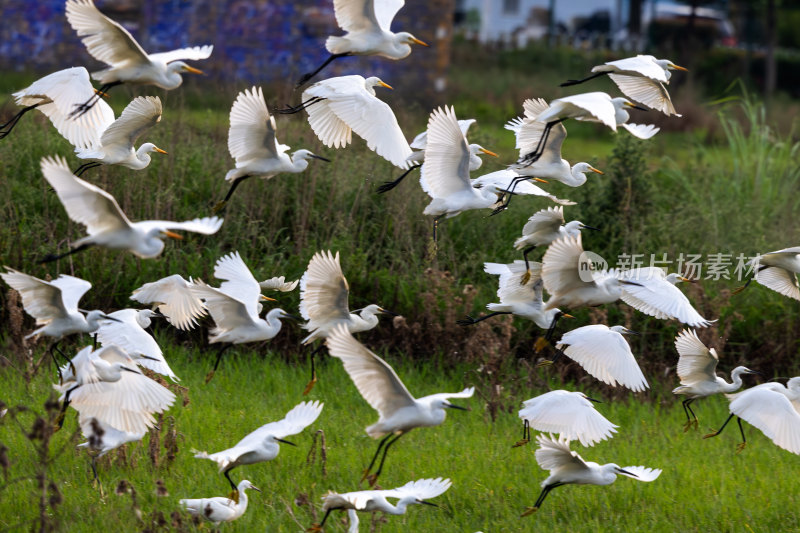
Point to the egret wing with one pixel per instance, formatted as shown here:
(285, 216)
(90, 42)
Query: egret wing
(641, 473)
(140, 115)
(195, 53)
(239, 283)
(569, 414)
(545, 221)
(372, 376)
(323, 291)
(562, 263)
(641, 131)
(605, 354)
(206, 225)
(555, 453)
(445, 171)
(768, 409)
(252, 131)
(510, 287)
(444, 396)
(331, 130)
(779, 280)
(278, 283)
(644, 65)
(85, 204)
(422, 489)
(385, 11)
(227, 312)
(655, 296)
(300, 417)
(593, 107)
(646, 91)
(696, 363)
(42, 300)
(105, 40)
(358, 15)
(174, 299)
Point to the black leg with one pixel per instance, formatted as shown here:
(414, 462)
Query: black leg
(374, 457)
(749, 279)
(741, 430)
(374, 477)
(389, 185)
(468, 321)
(551, 330)
(234, 185)
(86, 166)
(290, 110)
(525, 253)
(49, 258)
(219, 355)
(6, 128)
(52, 351)
(576, 82)
(81, 109)
(313, 381)
(94, 469)
(436, 228)
(717, 432)
(310, 75)
(228, 477)
(64, 406)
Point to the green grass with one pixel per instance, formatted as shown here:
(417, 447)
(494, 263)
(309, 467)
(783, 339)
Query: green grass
(705, 485)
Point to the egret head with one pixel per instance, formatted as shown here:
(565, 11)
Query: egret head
(622, 330)
(303, 155)
(180, 67)
(374, 80)
(245, 484)
(583, 168)
(406, 38)
(616, 469)
(676, 278)
(150, 147)
(475, 148)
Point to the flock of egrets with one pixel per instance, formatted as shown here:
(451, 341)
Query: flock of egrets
(117, 401)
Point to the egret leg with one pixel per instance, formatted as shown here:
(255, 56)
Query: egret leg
(436, 227)
(222, 350)
(52, 351)
(468, 321)
(569, 83)
(81, 109)
(374, 477)
(290, 110)
(49, 258)
(551, 330)
(526, 434)
(717, 432)
(389, 185)
(304, 79)
(221, 205)
(540, 499)
(6, 128)
(508, 194)
(374, 457)
(84, 167)
(687, 408)
(318, 527)
(228, 477)
(63, 413)
(310, 384)
(526, 277)
(741, 446)
(737, 290)
(94, 470)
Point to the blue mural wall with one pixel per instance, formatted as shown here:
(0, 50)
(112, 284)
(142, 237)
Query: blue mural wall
(254, 40)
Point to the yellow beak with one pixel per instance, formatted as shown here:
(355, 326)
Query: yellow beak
(676, 67)
(417, 41)
(540, 180)
(565, 315)
(193, 70)
(159, 150)
(487, 152)
(687, 279)
(100, 93)
(268, 299)
(595, 170)
(172, 235)
(385, 85)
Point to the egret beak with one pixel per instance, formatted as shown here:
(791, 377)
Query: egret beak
(631, 332)
(266, 298)
(566, 315)
(386, 311)
(451, 406)
(141, 356)
(540, 180)
(423, 43)
(584, 226)
(640, 108)
(423, 502)
(385, 85)
(125, 368)
(253, 487)
(193, 70)
(488, 152)
(159, 150)
(285, 442)
(596, 171)
(291, 317)
(676, 67)
(100, 93)
(621, 471)
(754, 372)
(319, 157)
(172, 235)
(687, 279)
(111, 318)
(626, 282)
(593, 400)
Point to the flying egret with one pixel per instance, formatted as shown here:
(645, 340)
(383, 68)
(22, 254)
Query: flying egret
(413, 492)
(641, 78)
(588, 107)
(417, 157)
(113, 140)
(220, 508)
(382, 389)
(235, 307)
(567, 467)
(278, 283)
(544, 227)
(262, 444)
(656, 295)
(517, 298)
(173, 299)
(324, 296)
(56, 96)
(107, 385)
(605, 354)
(102, 438)
(128, 332)
(772, 408)
(54, 305)
(777, 271)
(571, 414)
(108, 42)
(105, 222)
(367, 23)
(697, 370)
(254, 146)
(339, 106)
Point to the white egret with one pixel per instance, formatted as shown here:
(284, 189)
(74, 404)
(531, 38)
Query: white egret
(411, 493)
(108, 42)
(262, 444)
(777, 271)
(108, 386)
(278, 283)
(128, 332)
(517, 298)
(235, 307)
(105, 222)
(697, 370)
(544, 227)
(417, 157)
(382, 389)
(571, 414)
(641, 78)
(54, 305)
(254, 146)
(113, 140)
(324, 296)
(339, 106)
(367, 23)
(656, 295)
(772, 408)
(605, 354)
(173, 299)
(588, 107)
(102, 438)
(56, 96)
(220, 508)
(567, 467)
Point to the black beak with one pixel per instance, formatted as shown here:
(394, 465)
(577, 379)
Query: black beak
(389, 312)
(148, 357)
(640, 108)
(423, 502)
(626, 282)
(129, 370)
(631, 332)
(584, 226)
(315, 156)
(451, 406)
(593, 400)
(292, 317)
(285, 441)
(621, 471)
